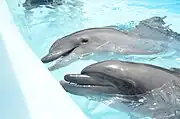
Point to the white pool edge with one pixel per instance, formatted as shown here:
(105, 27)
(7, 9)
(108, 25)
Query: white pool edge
(44, 96)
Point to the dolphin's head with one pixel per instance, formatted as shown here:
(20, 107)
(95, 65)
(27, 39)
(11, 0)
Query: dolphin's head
(101, 78)
(68, 46)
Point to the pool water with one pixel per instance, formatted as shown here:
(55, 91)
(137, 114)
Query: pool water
(41, 26)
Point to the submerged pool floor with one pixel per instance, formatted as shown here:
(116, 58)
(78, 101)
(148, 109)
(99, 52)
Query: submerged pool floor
(42, 26)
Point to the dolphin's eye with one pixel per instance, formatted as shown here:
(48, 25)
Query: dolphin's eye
(84, 40)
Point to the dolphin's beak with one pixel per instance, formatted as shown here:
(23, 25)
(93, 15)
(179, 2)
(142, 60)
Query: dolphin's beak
(81, 79)
(81, 84)
(49, 57)
(57, 54)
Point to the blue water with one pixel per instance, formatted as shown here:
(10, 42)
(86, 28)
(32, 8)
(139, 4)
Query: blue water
(40, 27)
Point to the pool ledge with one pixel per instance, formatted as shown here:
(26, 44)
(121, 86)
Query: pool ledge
(43, 96)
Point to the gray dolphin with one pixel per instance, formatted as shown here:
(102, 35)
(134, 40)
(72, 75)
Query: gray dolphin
(126, 86)
(118, 77)
(94, 40)
(149, 34)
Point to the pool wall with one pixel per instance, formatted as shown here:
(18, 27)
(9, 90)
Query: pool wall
(27, 88)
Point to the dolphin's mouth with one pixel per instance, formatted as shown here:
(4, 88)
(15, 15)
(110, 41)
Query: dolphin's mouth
(81, 84)
(52, 56)
(65, 83)
(82, 80)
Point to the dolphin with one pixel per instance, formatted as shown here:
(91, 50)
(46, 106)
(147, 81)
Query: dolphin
(95, 40)
(126, 86)
(118, 77)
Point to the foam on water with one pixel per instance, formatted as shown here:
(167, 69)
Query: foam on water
(42, 26)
